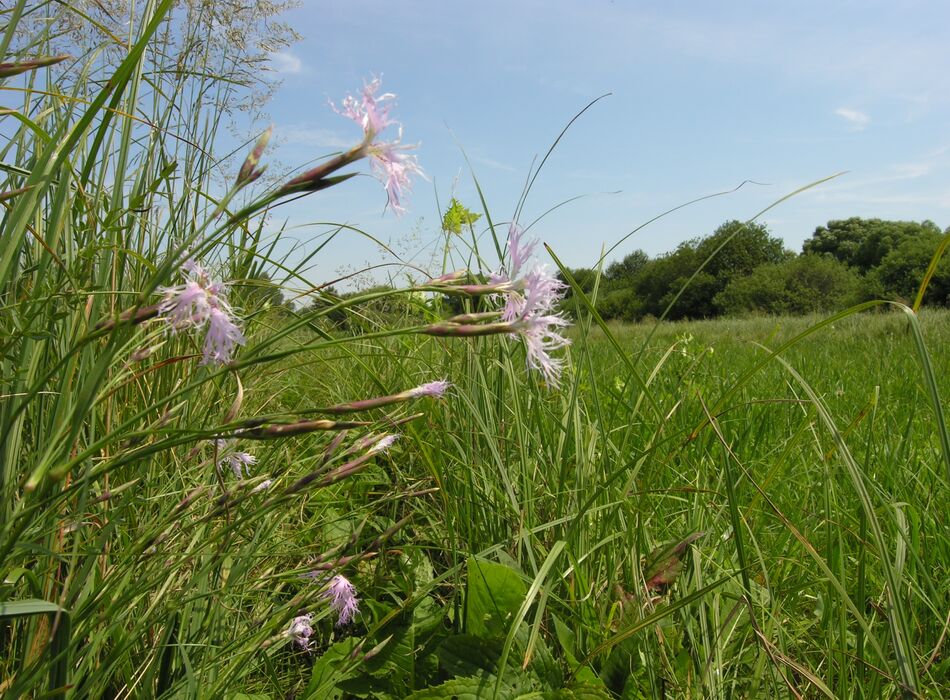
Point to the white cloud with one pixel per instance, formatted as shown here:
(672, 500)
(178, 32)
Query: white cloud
(911, 171)
(285, 62)
(492, 163)
(930, 199)
(858, 120)
(318, 137)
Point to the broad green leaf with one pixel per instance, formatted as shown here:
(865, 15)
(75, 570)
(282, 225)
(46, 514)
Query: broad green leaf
(22, 608)
(484, 686)
(467, 655)
(493, 596)
(330, 669)
(579, 691)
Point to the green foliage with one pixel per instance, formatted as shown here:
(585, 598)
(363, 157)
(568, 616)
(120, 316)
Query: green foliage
(623, 304)
(586, 279)
(864, 243)
(685, 282)
(518, 540)
(805, 284)
(900, 272)
(492, 598)
(628, 268)
(457, 216)
(736, 248)
(741, 268)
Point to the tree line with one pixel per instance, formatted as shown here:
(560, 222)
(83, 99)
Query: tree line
(741, 268)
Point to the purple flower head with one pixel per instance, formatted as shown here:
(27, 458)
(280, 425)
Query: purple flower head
(434, 389)
(383, 443)
(263, 486)
(368, 111)
(185, 305)
(530, 305)
(342, 596)
(393, 167)
(240, 462)
(540, 334)
(388, 159)
(223, 334)
(537, 293)
(300, 631)
(519, 250)
(201, 302)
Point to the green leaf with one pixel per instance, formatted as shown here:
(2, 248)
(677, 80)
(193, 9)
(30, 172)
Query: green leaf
(331, 669)
(59, 668)
(23, 608)
(485, 686)
(579, 691)
(457, 216)
(467, 655)
(493, 596)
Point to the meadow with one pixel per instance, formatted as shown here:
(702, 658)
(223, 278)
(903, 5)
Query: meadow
(206, 492)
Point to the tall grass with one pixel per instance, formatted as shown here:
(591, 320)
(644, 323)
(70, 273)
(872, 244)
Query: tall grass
(722, 509)
(116, 524)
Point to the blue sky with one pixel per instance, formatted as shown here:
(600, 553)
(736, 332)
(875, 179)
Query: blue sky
(703, 97)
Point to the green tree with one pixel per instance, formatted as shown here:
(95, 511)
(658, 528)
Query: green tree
(628, 268)
(804, 284)
(864, 243)
(901, 271)
(676, 282)
(659, 280)
(585, 278)
(737, 248)
(622, 304)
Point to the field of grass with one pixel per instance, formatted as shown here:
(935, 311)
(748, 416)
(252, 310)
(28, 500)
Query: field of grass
(733, 508)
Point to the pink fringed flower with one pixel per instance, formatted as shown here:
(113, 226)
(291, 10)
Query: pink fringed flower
(388, 159)
(393, 167)
(383, 444)
(530, 302)
(537, 293)
(240, 462)
(201, 302)
(263, 486)
(369, 112)
(520, 251)
(541, 338)
(342, 596)
(434, 389)
(300, 631)
(222, 337)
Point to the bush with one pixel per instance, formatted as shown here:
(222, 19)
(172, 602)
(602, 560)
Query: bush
(902, 270)
(805, 284)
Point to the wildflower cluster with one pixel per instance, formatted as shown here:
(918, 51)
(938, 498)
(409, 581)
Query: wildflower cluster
(530, 305)
(530, 298)
(341, 595)
(199, 304)
(202, 303)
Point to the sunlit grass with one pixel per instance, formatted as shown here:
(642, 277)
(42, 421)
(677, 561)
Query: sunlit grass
(685, 514)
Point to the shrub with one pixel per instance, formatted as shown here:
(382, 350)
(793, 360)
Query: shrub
(805, 284)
